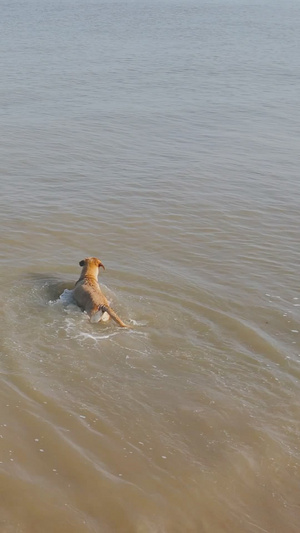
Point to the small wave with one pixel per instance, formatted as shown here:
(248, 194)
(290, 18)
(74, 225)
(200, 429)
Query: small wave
(79, 328)
(86, 336)
(137, 323)
(66, 298)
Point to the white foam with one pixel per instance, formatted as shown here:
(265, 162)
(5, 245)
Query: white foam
(66, 298)
(84, 335)
(96, 317)
(136, 323)
(100, 316)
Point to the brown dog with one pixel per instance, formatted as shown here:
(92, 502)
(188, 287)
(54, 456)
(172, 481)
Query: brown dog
(88, 295)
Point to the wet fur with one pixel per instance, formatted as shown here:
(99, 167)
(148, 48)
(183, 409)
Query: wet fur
(88, 295)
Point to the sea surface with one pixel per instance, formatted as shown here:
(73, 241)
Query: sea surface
(163, 138)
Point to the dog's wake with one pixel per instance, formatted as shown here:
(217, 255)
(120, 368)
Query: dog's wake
(66, 298)
(75, 330)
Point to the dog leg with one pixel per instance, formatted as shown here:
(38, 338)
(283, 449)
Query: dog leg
(114, 316)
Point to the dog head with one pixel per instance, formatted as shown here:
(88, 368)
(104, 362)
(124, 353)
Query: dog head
(91, 262)
(90, 267)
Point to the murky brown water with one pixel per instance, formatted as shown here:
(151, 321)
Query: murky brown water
(163, 139)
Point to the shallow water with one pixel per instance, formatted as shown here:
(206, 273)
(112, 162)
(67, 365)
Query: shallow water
(163, 139)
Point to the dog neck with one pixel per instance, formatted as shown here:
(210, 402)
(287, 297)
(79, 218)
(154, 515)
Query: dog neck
(89, 272)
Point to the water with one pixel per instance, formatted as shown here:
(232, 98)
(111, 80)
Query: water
(163, 138)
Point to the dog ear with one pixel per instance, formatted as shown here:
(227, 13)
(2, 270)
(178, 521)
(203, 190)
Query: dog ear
(82, 263)
(101, 265)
